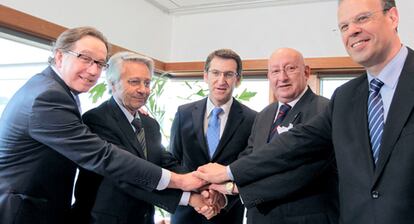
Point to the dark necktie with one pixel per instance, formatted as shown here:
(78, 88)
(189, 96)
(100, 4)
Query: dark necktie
(213, 131)
(283, 110)
(140, 133)
(375, 117)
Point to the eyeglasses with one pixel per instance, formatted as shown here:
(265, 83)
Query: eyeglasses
(137, 82)
(360, 19)
(227, 74)
(88, 60)
(288, 70)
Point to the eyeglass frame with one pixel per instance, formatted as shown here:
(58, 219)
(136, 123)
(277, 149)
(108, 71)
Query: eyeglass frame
(360, 19)
(136, 82)
(294, 70)
(227, 74)
(88, 59)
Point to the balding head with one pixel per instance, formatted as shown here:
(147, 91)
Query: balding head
(287, 74)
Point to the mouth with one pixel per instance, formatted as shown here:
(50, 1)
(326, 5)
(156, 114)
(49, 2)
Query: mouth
(359, 43)
(87, 80)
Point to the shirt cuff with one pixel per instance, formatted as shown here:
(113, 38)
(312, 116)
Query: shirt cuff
(185, 198)
(226, 201)
(165, 179)
(229, 173)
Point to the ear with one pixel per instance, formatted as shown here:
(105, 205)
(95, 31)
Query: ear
(205, 77)
(238, 80)
(307, 71)
(58, 58)
(394, 17)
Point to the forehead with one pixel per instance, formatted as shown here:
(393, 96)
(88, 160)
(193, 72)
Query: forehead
(283, 58)
(348, 9)
(135, 69)
(223, 63)
(92, 46)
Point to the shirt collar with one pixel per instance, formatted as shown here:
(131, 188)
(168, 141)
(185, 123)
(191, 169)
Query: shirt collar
(127, 114)
(293, 102)
(225, 107)
(390, 74)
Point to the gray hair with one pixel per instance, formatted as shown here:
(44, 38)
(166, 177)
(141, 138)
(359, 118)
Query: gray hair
(68, 38)
(113, 73)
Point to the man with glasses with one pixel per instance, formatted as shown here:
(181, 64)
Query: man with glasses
(214, 129)
(369, 122)
(98, 199)
(43, 139)
(314, 200)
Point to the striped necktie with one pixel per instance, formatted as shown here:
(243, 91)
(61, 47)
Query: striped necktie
(283, 110)
(375, 117)
(140, 133)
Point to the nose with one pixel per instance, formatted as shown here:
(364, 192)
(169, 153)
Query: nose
(353, 30)
(94, 69)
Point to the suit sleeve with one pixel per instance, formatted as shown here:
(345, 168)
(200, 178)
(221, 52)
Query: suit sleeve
(55, 123)
(176, 146)
(303, 144)
(88, 182)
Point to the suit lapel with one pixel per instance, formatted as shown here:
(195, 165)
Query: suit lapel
(125, 127)
(359, 122)
(233, 122)
(198, 121)
(400, 109)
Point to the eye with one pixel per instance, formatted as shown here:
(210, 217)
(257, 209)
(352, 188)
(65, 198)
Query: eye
(290, 69)
(215, 73)
(147, 84)
(134, 82)
(85, 58)
(343, 28)
(229, 74)
(275, 72)
(362, 19)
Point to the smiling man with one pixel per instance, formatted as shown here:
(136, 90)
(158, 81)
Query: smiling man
(43, 139)
(214, 129)
(369, 122)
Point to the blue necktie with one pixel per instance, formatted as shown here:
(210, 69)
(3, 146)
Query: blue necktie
(375, 117)
(213, 131)
(283, 110)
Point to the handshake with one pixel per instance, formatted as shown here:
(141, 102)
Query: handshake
(208, 185)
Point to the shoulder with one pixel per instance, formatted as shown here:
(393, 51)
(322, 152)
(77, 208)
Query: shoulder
(190, 106)
(246, 110)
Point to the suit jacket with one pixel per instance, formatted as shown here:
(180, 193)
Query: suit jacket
(102, 199)
(367, 194)
(42, 140)
(315, 201)
(188, 144)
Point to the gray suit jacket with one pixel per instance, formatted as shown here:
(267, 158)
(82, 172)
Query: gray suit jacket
(311, 201)
(367, 194)
(42, 140)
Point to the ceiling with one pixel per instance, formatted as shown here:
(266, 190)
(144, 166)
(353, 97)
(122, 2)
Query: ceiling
(200, 6)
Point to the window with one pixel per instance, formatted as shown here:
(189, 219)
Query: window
(329, 84)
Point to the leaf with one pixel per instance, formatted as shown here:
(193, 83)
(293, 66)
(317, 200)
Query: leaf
(97, 91)
(246, 95)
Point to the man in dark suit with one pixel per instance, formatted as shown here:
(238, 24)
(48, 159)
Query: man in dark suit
(374, 156)
(314, 201)
(191, 132)
(43, 139)
(98, 199)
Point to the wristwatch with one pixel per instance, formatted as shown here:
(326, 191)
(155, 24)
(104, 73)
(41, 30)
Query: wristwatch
(229, 188)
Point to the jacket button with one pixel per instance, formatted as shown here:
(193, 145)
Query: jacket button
(375, 194)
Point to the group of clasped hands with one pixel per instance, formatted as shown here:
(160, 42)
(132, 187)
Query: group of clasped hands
(209, 180)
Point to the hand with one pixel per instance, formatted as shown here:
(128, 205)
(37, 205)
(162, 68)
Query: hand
(186, 182)
(214, 198)
(222, 188)
(143, 110)
(213, 173)
(201, 205)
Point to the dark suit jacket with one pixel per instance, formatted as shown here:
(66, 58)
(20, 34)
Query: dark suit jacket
(100, 197)
(188, 144)
(42, 139)
(367, 194)
(314, 202)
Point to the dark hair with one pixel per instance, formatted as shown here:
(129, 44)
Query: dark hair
(386, 4)
(68, 38)
(226, 54)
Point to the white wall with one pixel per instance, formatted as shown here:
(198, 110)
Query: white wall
(255, 33)
(133, 24)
